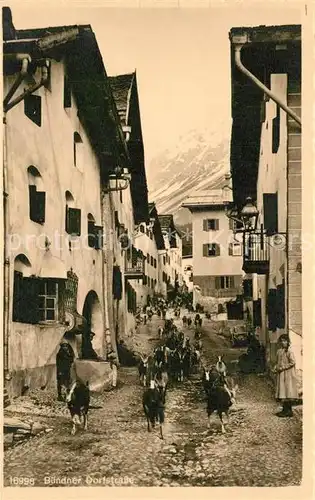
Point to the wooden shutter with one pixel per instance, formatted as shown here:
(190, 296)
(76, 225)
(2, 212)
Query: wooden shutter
(66, 93)
(216, 224)
(276, 131)
(230, 248)
(231, 282)
(117, 283)
(205, 251)
(231, 224)
(17, 297)
(33, 108)
(217, 249)
(205, 225)
(74, 221)
(32, 202)
(272, 310)
(270, 201)
(91, 234)
(280, 308)
(29, 312)
(99, 237)
(40, 206)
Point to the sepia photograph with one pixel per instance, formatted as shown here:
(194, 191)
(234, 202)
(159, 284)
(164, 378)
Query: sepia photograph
(153, 244)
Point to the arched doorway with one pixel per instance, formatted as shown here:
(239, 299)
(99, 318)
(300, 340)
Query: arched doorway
(92, 312)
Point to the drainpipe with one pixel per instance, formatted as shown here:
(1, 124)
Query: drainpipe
(104, 275)
(259, 84)
(29, 91)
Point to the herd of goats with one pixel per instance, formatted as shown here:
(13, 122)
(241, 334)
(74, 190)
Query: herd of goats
(175, 359)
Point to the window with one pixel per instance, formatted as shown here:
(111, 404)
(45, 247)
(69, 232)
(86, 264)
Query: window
(224, 282)
(35, 299)
(48, 300)
(37, 198)
(77, 150)
(235, 249)
(95, 234)
(73, 221)
(66, 92)
(33, 108)
(141, 228)
(248, 289)
(151, 261)
(270, 207)
(211, 250)
(148, 258)
(164, 260)
(211, 224)
(37, 203)
(276, 131)
(151, 235)
(155, 263)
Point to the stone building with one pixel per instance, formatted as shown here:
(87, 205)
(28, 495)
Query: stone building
(266, 166)
(171, 260)
(63, 142)
(217, 255)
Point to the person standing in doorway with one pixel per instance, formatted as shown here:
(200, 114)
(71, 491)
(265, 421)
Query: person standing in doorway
(286, 388)
(113, 362)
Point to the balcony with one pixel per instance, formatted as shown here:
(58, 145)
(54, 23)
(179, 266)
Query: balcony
(256, 252)
(134, 265)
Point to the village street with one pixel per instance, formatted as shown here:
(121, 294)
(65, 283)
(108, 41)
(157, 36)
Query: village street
(258, 448)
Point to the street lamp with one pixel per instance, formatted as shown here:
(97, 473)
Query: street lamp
(249, 215)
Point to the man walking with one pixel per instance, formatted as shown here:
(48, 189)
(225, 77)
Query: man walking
(113, 361)
(64, 360)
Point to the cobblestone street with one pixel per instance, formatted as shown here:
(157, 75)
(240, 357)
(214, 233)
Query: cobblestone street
(258, 448)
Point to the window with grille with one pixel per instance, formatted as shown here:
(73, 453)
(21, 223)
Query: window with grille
(224, 282)
(48, 300)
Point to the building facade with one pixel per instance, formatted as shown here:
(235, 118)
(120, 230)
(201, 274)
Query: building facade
(187, 272)
(266, 165)
(63, 141)
(171, 259)
(217, 255)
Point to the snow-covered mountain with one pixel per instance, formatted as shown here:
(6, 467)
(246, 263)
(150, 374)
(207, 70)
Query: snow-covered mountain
(199, 162)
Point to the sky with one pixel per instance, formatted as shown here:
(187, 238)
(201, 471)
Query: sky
(181, 56)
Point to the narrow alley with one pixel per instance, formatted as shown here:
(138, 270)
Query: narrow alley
(117, 444)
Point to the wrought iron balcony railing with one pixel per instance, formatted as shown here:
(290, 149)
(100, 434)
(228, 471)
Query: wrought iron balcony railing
(255, 252)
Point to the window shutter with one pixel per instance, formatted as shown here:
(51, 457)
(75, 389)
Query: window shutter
(230, 248)
(276, 131)
(99, 237)
(280, 295)
(218, 282)
(66, 93)
(231, 224)
(205, 247)
(205, 224)
(17, 296)
(33, 108)
(231, 282)
(91, 234)
(272, 310)
(29, 312)
(74, 221)
(217, 250)
(257, 313)
(32, 202)
(117, 283)
(40, 206)
(270, 201)
(216, 224)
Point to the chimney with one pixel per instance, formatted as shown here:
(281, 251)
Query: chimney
(9, 32)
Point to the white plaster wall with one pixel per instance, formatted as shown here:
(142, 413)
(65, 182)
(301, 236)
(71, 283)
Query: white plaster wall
(50, 149)
(223, 264)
